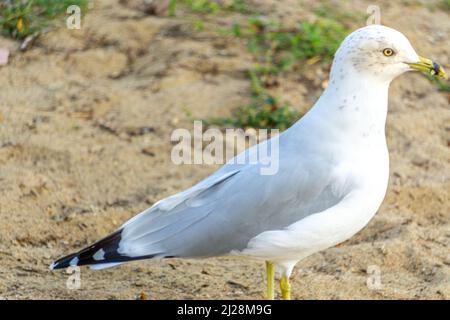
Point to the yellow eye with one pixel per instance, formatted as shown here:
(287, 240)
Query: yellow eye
(388, 52)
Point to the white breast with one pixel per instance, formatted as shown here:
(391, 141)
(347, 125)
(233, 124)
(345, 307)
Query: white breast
(368, 179)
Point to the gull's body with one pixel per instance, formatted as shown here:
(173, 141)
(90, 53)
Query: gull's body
(333, 175)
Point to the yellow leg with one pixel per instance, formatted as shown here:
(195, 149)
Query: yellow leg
(285, 287)
(270, 269)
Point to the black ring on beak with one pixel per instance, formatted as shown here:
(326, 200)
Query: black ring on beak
(436, 67)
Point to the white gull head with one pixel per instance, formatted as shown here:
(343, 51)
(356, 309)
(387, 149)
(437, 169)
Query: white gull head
(380, 53)
(356, 99)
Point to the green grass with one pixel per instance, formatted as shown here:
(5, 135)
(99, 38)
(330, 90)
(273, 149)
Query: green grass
(209, 6)
(276, 50)
(279, 50)
(21, 18)
(264, 111)
(445, 4)
(260, 113)
(441, 85)
(328, 10)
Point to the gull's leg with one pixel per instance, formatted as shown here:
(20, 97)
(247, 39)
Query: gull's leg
(270, 270)
(285, 287)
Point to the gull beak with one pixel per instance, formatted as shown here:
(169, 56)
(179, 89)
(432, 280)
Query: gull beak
(428, 66)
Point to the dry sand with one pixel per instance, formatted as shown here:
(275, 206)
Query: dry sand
(86, 118)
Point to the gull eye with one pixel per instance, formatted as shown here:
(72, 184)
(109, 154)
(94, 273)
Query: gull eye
(388, 52)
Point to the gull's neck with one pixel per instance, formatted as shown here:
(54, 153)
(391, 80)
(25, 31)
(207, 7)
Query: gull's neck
(354, 104)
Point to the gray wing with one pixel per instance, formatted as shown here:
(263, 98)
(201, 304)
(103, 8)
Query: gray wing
(226, 210)
(223, 212)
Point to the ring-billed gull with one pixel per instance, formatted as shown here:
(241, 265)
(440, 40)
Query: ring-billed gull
(333, 175)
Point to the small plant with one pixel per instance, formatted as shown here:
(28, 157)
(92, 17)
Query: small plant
(202, 6)
(445, 4)
(281, 47)
(277, 50)
(328, 10)
(198, 25)
(21, 18)
(442, 85)
(263, 112)
(240, 6)
(210, 6)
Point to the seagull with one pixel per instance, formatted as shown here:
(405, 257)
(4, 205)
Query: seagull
(332, 178)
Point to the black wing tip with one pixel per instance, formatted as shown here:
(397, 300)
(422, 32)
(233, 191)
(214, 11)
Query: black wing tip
(64, 262)
(109, 245)
(69, 261)
(109, 254)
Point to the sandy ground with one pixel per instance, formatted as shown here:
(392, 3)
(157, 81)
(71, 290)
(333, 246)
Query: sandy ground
(86, 118)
